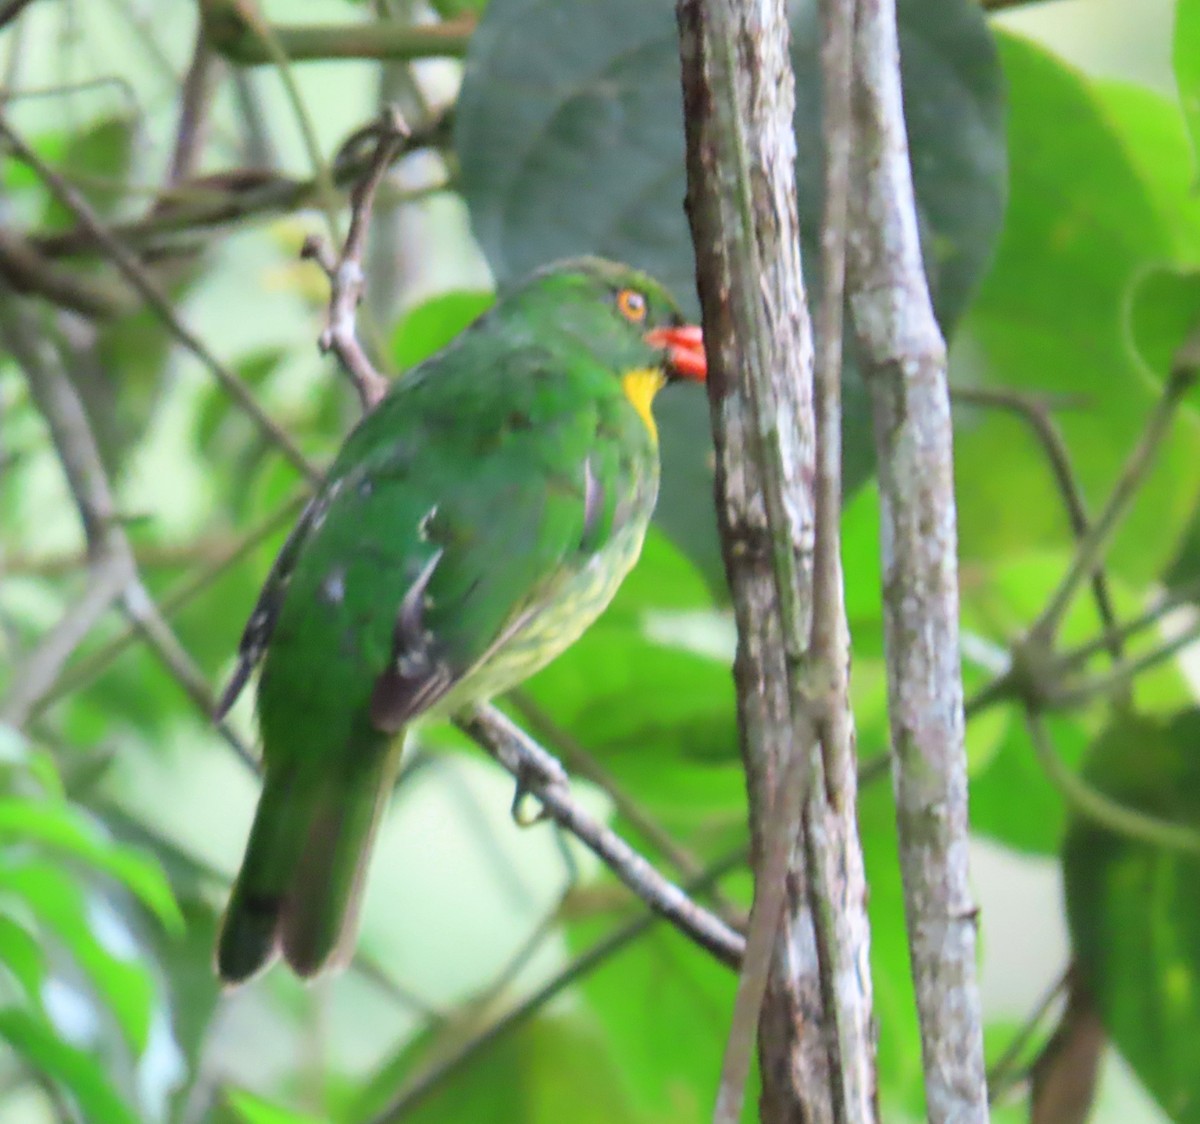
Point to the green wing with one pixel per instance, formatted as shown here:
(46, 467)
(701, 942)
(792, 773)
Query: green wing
(460, 506)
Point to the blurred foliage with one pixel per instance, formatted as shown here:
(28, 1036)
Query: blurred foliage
(498, 977)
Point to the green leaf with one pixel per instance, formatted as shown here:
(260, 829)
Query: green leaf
(1164, 309)
(664, 1006)
(1132, 907)
(1154, 137)
(125, 987)
(55, 825)
(78, 1072)
(430, 326)
(1051, 318)
(22, 956)
(1013, 801)
(252, 1109)
(569, 132)
(1186, 57)
(552, 1068)
(96, 162)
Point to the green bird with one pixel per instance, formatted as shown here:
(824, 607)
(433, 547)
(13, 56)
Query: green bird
(473, 524)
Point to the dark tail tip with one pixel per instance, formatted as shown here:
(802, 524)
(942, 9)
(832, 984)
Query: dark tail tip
(249, 940)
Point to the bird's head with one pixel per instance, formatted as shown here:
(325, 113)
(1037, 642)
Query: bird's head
(624, 317)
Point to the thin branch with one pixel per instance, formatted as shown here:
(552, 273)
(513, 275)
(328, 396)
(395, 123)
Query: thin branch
(441, 1070)
(1092, 548)
(582, 764)
(95, 663)
(114, 571)
(391, 40)
(1003, 1074)
(27, 270)
(229, 198)
(1121, 675)
(1035, 411)
(278, 55)
(1094, 805)
(111, 566)
(140, 279)
(196, 97)
(346, 272)
(904, 365)
(541, 776)
(837, 880)
(1075, 659)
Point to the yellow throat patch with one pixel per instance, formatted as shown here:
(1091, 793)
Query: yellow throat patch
(640, 386)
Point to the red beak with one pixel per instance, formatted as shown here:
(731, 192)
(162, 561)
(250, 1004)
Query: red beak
(685, 350)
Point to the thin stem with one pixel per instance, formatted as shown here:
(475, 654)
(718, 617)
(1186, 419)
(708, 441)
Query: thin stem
(1035, 411)
(277, 53)
(346, 272)
(1003, 1074)
(389, 40)
(94, 664)
(1094, 545)
(539, 774)
(1075, 659)
(1092, 804)
(140, 279)
(1120, 676)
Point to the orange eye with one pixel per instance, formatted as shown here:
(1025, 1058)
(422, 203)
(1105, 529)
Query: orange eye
(632, 305)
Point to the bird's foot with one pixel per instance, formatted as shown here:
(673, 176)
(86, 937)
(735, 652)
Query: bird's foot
(533, 778)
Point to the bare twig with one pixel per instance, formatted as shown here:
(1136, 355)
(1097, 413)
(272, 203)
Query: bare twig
(113, 571)
(1035, 411)
(1094, 545)
(110, 567)
(540, 774)
(1119, 676)
(140, 279)
(345, 272)
(196, 96)
(1092, 804)
(28, 270)
(393, 40)
(94, 663)
(904, 363)
(229, 198)
(1075, 659)
(1004, 1073)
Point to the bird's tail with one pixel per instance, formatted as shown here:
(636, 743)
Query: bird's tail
(299, 889)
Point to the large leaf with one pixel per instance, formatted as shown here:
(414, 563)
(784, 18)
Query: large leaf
(1133, 910)
(78, 1072)
(549, 1069)
(1186, 54)
(55, 825)
(570, 136)
(1051, 317)
(664, 1006)
(124, 986)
